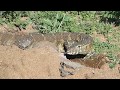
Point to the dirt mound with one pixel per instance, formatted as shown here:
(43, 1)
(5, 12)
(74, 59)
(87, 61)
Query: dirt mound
(30, 63)
(90, 73)
(43, 62)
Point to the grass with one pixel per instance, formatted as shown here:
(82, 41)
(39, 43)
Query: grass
(102, 22)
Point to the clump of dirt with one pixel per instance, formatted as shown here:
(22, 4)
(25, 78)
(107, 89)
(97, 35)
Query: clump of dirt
(31, 63)
(43, 62)
(93, 73)
(6, 28)
(29, 28)
(100, 37)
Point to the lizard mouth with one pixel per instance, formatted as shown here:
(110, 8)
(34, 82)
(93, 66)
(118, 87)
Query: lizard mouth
(74, 50)
(75, 56)
(72, 53)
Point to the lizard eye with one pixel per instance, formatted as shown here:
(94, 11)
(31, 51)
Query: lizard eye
(79, 46)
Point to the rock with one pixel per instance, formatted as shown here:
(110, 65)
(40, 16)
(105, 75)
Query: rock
(23, 41)
(68, 67)
(95, 61)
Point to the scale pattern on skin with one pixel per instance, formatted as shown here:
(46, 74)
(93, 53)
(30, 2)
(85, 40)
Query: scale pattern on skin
(68, 43)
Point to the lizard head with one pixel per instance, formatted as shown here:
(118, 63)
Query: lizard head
(77, 48)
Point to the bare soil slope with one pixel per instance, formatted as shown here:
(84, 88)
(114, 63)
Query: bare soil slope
(44, 63)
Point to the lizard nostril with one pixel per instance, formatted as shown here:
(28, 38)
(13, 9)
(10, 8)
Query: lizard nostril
(79, 46)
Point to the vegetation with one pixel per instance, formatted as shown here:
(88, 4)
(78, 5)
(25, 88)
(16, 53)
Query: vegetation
(102, 22)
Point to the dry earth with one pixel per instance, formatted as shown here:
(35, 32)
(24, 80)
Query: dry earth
(44, 63)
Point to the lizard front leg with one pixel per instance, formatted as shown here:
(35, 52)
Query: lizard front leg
(89, 55)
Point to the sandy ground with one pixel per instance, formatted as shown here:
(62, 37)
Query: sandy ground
(44, 63)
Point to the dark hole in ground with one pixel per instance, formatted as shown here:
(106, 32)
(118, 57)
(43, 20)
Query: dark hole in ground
(75, 56)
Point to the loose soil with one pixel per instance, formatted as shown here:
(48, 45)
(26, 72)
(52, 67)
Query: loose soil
(43, 62)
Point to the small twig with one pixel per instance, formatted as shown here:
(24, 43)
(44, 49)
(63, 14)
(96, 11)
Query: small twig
(119, 69)
(55, 22)
(61, 22)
